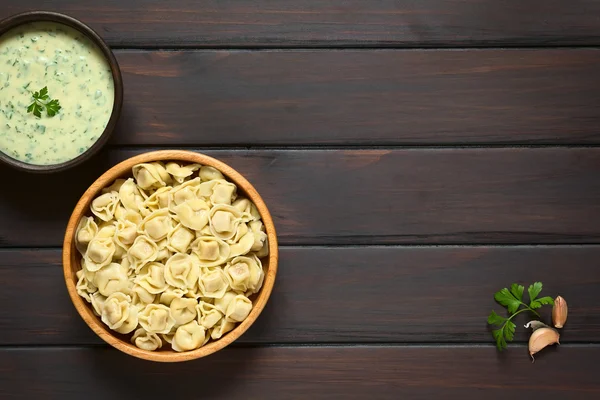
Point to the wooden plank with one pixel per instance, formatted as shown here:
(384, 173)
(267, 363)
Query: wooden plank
(421, 373)
(473, 195)
(355, 97)
(206, 23)
(341, 295)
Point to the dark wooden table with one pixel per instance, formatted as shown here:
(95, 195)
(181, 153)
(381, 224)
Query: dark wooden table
(417, 156)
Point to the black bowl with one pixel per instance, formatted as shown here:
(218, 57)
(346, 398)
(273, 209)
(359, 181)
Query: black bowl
(47, 16)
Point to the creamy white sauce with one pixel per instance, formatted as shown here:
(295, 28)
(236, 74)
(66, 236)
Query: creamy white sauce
(76, 73)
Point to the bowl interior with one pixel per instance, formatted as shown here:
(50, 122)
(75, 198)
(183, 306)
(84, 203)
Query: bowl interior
(72, 264)
(47, 16)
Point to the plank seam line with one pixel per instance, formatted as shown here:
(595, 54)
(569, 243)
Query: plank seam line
(372, 246)
(314, 345)
(295, 147)
(433, 46)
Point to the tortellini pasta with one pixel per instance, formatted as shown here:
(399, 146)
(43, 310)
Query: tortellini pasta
(182, 271)
(146, 340)
(104, 206)
(188, 337)
(171, 256)
(156, 318)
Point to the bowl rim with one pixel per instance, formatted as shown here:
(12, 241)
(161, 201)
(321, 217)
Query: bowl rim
(105, 180)
(16, 20)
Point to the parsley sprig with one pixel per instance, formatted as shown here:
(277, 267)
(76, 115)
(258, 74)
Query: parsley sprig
(42, 101)
(513, 301)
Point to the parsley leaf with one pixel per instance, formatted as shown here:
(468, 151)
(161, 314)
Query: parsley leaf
(500, 340)
(542, 301)
(508, 300)
(517, 291)
(534, 290)
(504, 334)
(495, 319)
(513, 301)
(52, 107)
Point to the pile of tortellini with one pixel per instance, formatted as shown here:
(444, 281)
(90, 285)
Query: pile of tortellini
(171, 255)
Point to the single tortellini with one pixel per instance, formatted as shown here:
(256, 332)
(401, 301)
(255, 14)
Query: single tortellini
(188, 337)
(112, 279)
(168, 337)
(243, 246)
(179, 173)
(115, 187)
(130, 196)
(260, 237)
(223, 302)
(208, 314)
(238, 309)
(86, 231)
(146, 340)
(156, 318)
(222, 327)
(97, 301)
(245, 274)
(247, 208)
(164, 254)
(125, 233)
(193, 214)
(84, 287)
(213, 283)
(218, 191)
(116, 310)
(89, 275)
(170, 294)
(99, 253)
(151, 175)
(183, 310)
(141, 295)
(184, 192)
(104, 206)
(224, 221)
(157, 225)
(238, 276)
(179, 239)
(210, 251)
(264, 251)
(208, 173)
(152, 278)
(182, 271)
(241, 231)
(142, 251)
(106, 230)
(131, 323)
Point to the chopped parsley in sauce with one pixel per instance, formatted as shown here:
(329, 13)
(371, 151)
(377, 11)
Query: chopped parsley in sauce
(74, 70)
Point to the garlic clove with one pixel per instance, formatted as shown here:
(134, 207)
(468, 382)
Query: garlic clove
(559, 312)
(541, 338)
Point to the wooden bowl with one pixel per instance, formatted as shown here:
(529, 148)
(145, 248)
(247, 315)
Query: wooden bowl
(71, 257)
(48, 16)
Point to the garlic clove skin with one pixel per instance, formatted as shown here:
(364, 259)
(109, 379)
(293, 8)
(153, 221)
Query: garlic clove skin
(535, 325)
(559, 312)
(541, 338)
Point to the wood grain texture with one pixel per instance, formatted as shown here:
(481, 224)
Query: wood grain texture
(505, 195)
(345, 295)
(206, 23)
(72, 257)
(391, 97)
(421, 373)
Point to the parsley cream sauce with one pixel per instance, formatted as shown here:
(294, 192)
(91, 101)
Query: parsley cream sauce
(76, 73)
